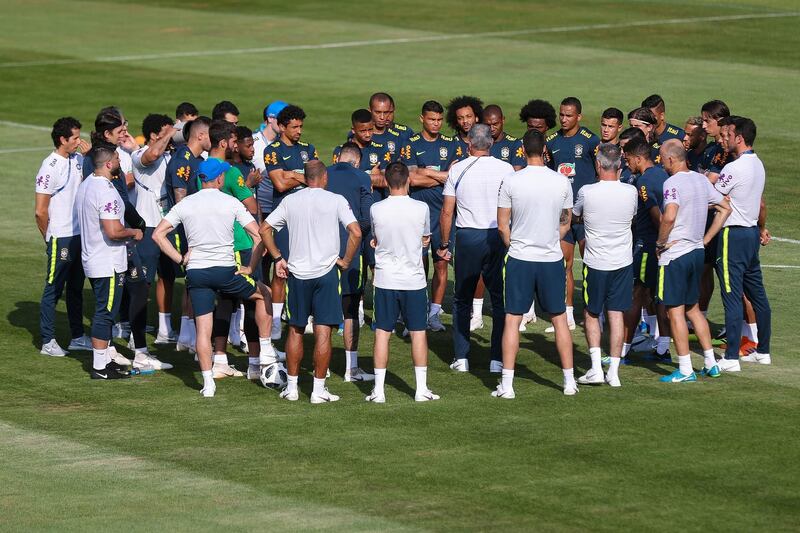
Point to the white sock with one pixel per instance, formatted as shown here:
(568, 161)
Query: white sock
(208, 379)
(625, 349)
(233, 330)
(319, 386)
(220, 358)
(99, 359)
(753, 330)
(569, 376)
(435, 309)
(253, 361)
(685, 364)
(265, 358)
(164, 323)
(183, 332)
(663, 345)
(361, 308)
(477, 306)
(613, 369)
(380, 379)
(709, 359)
(507, 378)
(652, 325)
(532, 310)
(277, 309)
(596, 355)
(291, 383)
(421, 374)
(351, 359)
(570, 317)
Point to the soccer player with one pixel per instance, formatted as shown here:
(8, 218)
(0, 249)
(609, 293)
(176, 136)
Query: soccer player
(374, 156)
(285, 159)
(539, 201)
(471, 191)
(607, 209)
(101, 211)
(694, 141)
(680, 256)
(610, 125)
(538, 115)
(628, 134)
(226, 111)
(311, 217)
(504, 146)
(268, 133)
(429, 155)
(572, 149)
(185, 112)
(664, 131)
(241, 157)
(388, 132)
(650, 187)
(346, 180)
(401, 228)
(56, 185)
(463, 112)
(208, 218)
(738, 265)
(645, 120)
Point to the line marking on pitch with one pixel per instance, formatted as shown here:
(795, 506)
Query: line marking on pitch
(399, 40)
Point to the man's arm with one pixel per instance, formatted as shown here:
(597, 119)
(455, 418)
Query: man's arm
(564, 222)
(284, 180)
(365, 204)
(446, 224)
(157, 148)
(724, 210)
(353, 242)
(666, 225)
(41, 212)
(426, 177)
(762, 223)
(165, 243)
(504, 224)
(115, 231)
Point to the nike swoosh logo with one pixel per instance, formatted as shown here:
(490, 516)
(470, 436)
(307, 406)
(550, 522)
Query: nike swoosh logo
(420, 153)
(104, 376)
(555, 151)
(287, 157)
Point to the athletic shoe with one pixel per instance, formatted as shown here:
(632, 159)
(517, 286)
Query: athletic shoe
(527, 319)
(143, 359)
(729, 365)
(279, 355)
(506, 394)
(605, 360)
(325, 397)
(254, 372)
(208, 391)
(119, 368)
(495, 367)
(755, 357)
(638, 336)
(613, 380)
(53, 349)
(746, 346)
(570, 390)
(460, 365)
(476, 323)
(149, 329)
(109, 372)
(182, 347)
(81, 343)
(121, 330)
(117, 357)
(374, 397)
(361, 320)
(552, 329)
(243, 347)
(435, 323)
(592, 377)
(222, 370)
(405, 333)
(276, 329)
(677, 377)
(665, 357)
(309, 327)
(169, 338)
(356, 374)
(292, 396)
(721, 334)
(426, 396)
(712, 372)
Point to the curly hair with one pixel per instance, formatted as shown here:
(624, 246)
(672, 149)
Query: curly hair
(463, 101)
(538, 109)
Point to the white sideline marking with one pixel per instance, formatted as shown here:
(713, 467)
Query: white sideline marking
(783, 239)
(20, 150)
(399, 40)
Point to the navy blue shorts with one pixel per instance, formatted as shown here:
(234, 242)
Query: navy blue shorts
(319, 297)
(411, 305)
(352, 278)
(575, 233)
(645, 267)
(710, 255)
(611, 290)
(204, 283)
(679, 281)
(368, 252)
(107, 297)
(282, 242)
(436, 238)
(154, 260)
(523, 280)
(243, 259)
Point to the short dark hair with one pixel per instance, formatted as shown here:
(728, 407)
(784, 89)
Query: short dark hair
(222, 109)
(108, 119)
(381, 97)
(728, 121)
(643, 114)
(185, 108)
(432, 106)
(290, 113)
(220, 130)
(396, 175)
(243, 132)
(493, 109)
(639, 147)
(201, 120)
(314, 169)
(101, 152)
(746, 128)
(654, 101)
(63, 128)
(533, 143)
(632, 134)
(716, 109)
(473, 102)
(574, 102)
(541, 109)
(613, 112)
(350, 147)
(153, 123)
(361, 116)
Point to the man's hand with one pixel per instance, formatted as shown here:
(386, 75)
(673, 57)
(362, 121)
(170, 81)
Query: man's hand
(373, 242)
(444, 254)
(129, 143)
(84, 147)
(765, 237)
(282, 269)
(660, 249)
(342, 264)
(137, 235)
(185, 260)
(254, 178)
(426, 240)
(244, 271)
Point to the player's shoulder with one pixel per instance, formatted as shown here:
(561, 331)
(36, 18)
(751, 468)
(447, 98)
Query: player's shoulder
(415, 138)
(446, 138)
(374, 144)
(588, 134)
(303, 144)
(553, 136)
(508, 137)
(400, 127)
(276, 144)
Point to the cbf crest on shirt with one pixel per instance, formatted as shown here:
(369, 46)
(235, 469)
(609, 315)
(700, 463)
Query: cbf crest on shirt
(281, 156)
(373, 154)
(509, 149)
(438, 154)
(573, 157)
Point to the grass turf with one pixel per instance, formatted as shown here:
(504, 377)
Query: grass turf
(714, 455)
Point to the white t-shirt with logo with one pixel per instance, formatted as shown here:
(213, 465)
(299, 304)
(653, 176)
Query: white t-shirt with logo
(608, 208)
(398, 224)
(97, 200)
(312, 217)
(536, 196)
(151, 187)
(59, 177)
(743, 181)
(476, 195)
(207, 217)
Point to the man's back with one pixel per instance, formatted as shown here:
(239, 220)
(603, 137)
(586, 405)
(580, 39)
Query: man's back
(743, 180)
(608, 208)
(355, 186)
(476, 190)
(399, 223)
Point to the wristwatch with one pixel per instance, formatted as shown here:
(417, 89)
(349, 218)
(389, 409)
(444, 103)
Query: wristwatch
(445, 245)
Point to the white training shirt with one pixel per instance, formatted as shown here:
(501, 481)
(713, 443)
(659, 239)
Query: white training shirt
(476, 192)
(259, 145)
(743, 180)
(693, 193)
(398, 224)
(536, 196)
(312, 217)
(97, 200)
(59, 177)
(126, 167)
(207, 217)
(151, 187)
(608, 208)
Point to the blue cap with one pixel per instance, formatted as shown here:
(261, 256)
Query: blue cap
(274, 108)
(211, 168)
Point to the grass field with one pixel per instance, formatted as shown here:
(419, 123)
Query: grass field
(150, 454)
